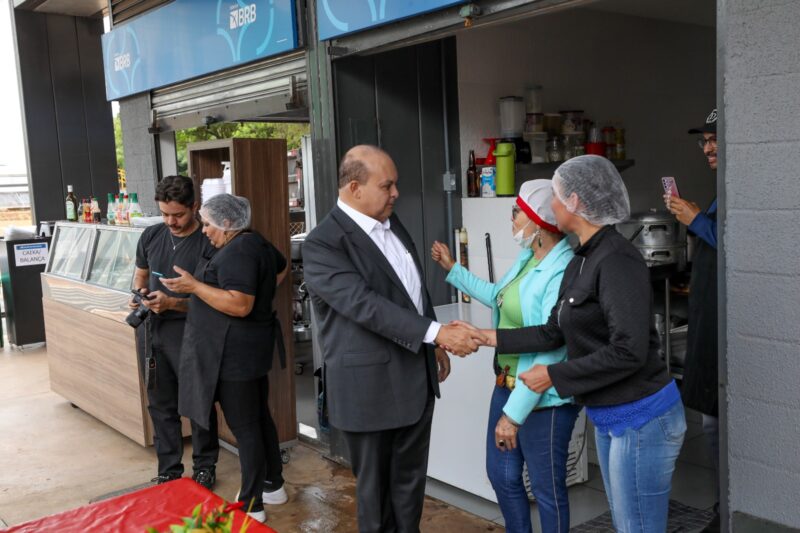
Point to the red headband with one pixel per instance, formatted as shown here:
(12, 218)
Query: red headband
(536, 218)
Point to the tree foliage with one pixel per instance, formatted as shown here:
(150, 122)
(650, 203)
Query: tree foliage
(293, 133)
(118, 142)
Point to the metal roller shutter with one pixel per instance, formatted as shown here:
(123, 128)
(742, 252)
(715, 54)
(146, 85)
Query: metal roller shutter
(273, 90)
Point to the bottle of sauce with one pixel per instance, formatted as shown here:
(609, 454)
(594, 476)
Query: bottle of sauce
(111, 210)
(463, 241)
(96, 214)
(473, 180)
(71, 205)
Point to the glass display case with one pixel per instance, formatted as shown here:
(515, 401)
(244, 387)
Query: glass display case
(69, 250)
(103, 256)
(114, 259)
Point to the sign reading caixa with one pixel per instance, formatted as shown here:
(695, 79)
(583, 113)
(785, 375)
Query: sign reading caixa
(340, 17)
(189, 38)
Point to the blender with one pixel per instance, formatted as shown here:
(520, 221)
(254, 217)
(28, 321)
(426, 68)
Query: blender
(512, 124)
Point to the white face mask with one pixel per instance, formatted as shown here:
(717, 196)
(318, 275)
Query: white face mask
(521, 240)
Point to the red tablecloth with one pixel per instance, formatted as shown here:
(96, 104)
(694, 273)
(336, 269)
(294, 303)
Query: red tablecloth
(159, 507)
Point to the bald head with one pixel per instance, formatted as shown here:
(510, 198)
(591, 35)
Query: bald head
(357, 163)
(368, 181)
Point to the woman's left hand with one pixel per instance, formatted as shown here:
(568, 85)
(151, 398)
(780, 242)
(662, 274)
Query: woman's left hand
(505, 434)
(184, 284)
(537, 379)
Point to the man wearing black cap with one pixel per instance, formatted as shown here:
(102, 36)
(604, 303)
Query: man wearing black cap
(700, 379)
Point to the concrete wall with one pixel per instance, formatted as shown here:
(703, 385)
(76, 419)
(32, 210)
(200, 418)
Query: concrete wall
(657, 77)
(141, 160)
(761, 119)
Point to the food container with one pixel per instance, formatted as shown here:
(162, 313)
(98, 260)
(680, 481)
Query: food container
(533, 99)
(572, 121)
(534, 123)
(573, 145)
(595, 149)
(552, 124)
(488, 182)
(538, 142)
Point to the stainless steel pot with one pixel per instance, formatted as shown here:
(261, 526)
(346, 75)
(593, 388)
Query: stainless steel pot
(658, 237)
(652, 229)
(297, 246)
(663, 255)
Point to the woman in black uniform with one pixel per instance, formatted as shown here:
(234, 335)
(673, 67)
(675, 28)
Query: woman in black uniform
(230, 334)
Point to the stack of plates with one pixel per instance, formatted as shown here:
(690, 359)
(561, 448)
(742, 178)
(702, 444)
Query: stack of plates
(212, 187)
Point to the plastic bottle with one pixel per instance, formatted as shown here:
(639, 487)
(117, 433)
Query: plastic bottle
(111, 210)
(96, 214)
(122, 210)
(134, 211)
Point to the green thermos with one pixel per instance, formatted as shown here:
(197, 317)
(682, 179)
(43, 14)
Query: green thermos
(506, 156)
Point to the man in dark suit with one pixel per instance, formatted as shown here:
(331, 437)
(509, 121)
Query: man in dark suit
(379, 336)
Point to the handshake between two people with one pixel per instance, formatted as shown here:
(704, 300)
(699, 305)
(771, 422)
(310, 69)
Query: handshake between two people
(462, 339)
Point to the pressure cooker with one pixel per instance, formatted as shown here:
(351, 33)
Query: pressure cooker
(658, 236)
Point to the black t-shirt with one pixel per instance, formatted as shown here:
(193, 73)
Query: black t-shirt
(159, 250)
(248, 264)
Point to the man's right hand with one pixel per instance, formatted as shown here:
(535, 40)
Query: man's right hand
(132, 304)
(459, 340)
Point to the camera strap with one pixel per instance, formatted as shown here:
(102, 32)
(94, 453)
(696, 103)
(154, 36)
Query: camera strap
(149, 358)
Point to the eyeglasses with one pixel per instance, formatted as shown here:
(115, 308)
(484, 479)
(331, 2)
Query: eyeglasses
(703, 142)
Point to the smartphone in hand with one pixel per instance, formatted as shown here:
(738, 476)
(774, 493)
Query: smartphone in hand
(670, 187)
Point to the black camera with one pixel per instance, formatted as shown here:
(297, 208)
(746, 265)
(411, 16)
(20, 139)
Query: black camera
(138, 315)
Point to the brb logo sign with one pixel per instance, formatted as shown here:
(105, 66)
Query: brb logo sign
(246, 27)
(123, 60)
(242, 16)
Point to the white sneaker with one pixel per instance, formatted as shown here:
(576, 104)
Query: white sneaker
(259, 516)
(276, 497)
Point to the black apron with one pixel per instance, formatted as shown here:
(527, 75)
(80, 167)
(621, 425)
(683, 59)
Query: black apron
(202, 352)
(700, 379)
(201, 356)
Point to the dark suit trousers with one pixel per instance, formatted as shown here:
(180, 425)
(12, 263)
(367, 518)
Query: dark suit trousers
(391, 468)
(166, 337)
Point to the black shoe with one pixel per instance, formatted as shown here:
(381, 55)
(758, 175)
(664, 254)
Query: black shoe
(164, 478)
(205, 477)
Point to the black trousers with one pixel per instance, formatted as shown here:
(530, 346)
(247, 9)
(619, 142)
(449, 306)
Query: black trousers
(391, 468)
(246, 409)
(165, 337)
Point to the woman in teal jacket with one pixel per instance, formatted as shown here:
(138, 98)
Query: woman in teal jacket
(525, 427)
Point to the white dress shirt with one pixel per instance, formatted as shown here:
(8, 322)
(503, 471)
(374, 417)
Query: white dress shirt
(398, 256)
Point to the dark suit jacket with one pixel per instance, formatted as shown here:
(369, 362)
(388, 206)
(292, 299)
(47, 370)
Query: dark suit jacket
(377, 371)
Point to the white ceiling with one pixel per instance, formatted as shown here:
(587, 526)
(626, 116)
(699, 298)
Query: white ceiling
(699, 12)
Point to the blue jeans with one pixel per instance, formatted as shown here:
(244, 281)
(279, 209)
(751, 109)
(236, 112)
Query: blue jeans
(637, 471)
(542, 443)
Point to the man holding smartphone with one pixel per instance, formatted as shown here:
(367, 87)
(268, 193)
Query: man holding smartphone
(700, 387)
(179, 241)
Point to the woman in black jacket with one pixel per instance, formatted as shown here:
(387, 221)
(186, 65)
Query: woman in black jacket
(603, 316)
(228, 343)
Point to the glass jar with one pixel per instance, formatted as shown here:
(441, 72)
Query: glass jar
(555, 150)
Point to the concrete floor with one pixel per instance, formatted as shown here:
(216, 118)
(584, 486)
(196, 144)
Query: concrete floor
(54, 457)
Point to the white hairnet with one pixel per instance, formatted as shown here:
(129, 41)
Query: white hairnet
(590, 186)
(227, 212)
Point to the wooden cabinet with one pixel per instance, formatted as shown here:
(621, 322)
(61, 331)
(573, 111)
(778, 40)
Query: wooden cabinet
(258, 171)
